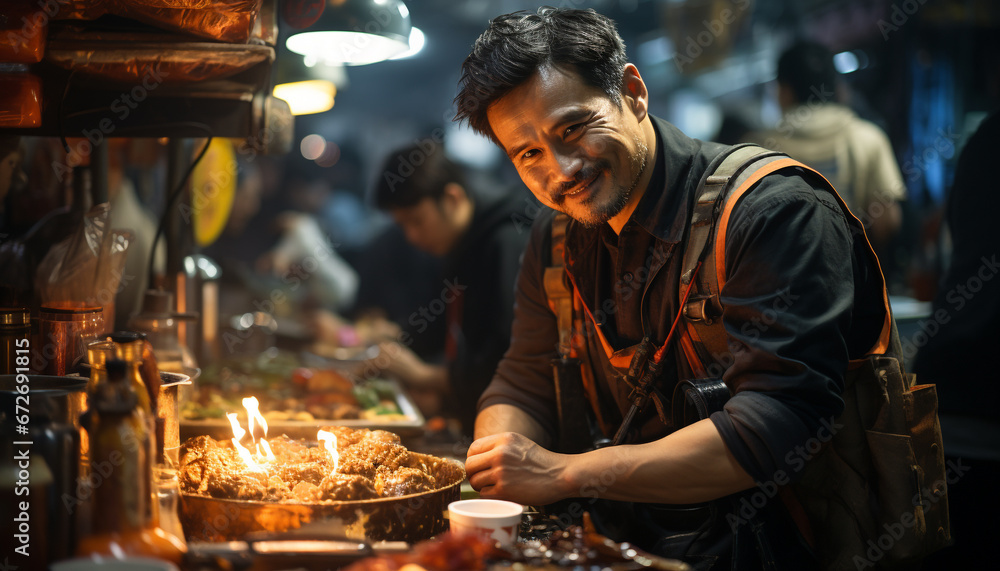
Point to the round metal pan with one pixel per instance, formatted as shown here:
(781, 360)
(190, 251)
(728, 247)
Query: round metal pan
(410, 518)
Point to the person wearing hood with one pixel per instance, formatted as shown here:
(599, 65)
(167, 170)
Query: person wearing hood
(480, 236)
(852, 153)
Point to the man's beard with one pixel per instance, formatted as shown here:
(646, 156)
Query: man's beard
(601, 214)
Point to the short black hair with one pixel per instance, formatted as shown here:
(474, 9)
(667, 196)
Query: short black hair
(516, 45)
(807, 68)
(415, 172)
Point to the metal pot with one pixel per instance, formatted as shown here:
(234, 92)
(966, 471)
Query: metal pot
(61, 399)
(167, 405)
(410, 518)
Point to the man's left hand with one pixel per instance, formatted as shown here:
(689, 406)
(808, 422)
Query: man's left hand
(511, 467)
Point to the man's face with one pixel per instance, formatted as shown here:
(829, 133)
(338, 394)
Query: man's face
(429, 225)
(575, 149)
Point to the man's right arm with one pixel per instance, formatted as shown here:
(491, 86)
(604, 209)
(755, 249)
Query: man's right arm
(521, 396)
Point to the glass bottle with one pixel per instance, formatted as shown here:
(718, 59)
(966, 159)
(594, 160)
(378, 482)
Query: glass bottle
(158, 322)
(119, 430)
(98, 354)
(128, 348)
(120, 522)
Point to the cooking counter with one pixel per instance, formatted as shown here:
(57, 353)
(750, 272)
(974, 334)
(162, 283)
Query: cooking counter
(543, 544)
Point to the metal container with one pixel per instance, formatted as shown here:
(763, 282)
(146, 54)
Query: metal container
(410, 518)
(61, 398)
(169, 410)
(53, 430)
(64, 330)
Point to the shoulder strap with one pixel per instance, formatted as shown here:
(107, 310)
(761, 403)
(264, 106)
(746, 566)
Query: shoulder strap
(557, 290)
(726, 181)
(736, 165)
(709, 199)
(577, 407)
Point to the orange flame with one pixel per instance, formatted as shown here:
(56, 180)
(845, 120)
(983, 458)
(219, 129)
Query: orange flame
(267, 450)
(330, 443)
(253, 415)
(239, 433)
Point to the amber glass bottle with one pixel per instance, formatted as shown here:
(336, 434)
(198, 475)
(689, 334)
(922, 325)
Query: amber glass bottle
(129, 347)
(120, 521)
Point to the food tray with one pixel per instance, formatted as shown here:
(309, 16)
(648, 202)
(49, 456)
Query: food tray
(410, 518)
(409, 424)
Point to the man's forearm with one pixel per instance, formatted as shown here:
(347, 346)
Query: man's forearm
(692, 465)
(689, 466)
(508, 418)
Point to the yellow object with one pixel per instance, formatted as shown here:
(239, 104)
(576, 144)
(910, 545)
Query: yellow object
(306, 97)
(213, 188)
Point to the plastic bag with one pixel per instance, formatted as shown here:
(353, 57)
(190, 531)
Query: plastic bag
(87, 266)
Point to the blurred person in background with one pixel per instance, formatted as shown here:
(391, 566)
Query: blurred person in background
(273, 242)
(387, 261)
(960, 335)
(332, 193)
(306, 255)
(819, 130)
(477, 234)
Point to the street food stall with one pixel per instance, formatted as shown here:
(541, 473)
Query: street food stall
(194, 438)
(233, 338)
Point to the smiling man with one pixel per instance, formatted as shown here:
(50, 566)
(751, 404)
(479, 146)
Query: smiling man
(802, 296)
(550, 110)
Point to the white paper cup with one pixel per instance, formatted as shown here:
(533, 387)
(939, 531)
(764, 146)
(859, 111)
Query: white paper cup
(490, 519)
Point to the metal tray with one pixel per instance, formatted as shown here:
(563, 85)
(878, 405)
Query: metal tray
(410, 426)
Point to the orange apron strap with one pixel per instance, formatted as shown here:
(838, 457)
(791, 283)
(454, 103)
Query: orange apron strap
(882, 345)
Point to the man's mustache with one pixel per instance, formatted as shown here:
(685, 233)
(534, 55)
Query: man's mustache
(582, 176)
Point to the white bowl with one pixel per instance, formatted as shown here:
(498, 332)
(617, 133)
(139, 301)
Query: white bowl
(491, 519)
